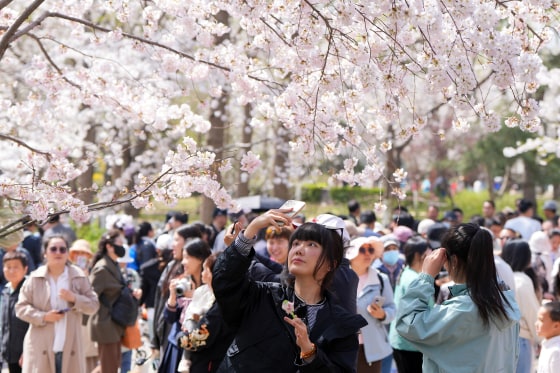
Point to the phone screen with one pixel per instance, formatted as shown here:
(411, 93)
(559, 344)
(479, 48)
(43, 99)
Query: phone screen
(296, 207)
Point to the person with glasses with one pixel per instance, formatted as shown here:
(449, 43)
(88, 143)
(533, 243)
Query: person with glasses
(293, 326)
(374, 302)
(477, 329)
(53, 301)
(108, 282)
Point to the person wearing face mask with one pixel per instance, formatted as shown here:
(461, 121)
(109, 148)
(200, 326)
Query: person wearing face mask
(107, 281)
(391, 262)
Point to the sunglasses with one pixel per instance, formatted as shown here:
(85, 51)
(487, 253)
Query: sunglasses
(61, 249)
(370, 249)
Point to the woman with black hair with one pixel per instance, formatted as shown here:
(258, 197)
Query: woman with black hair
(407, 357)
(290, 327)
(477, 329)
(517, 254)
(181, 291)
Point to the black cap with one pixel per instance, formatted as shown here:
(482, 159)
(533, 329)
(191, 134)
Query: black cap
(435, 233)
(219, 212)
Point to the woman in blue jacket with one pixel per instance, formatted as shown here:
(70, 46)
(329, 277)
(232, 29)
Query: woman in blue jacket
(374, 302)
(286, 328)
(477, 329)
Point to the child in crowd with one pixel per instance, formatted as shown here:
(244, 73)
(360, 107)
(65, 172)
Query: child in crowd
(548, 327)
(12, 329)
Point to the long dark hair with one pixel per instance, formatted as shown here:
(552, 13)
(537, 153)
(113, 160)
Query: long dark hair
(108, 238)
(473, 248)
(517, 253)
(186, 231)
(143, 230)
(331, 242)
(198, 248)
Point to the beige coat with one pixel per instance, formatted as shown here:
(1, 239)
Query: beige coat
(34, 302)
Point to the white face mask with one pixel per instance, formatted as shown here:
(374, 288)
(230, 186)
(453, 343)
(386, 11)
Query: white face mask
(82, 261)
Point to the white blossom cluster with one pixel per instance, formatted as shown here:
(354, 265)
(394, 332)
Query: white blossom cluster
(129, 84)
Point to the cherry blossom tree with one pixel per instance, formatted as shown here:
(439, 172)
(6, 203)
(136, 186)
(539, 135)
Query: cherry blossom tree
(130, 87)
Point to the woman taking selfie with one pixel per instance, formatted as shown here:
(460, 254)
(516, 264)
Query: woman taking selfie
(477, 329)
(53, 300)
(286, 327)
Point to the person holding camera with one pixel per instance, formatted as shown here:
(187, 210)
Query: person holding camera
(374, 302)
(181, 291)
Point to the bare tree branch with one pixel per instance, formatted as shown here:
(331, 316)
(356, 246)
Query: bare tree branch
(4, 3)
(25, 145)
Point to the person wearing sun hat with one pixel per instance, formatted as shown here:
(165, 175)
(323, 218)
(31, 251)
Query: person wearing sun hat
(374, 303)
(81, 254)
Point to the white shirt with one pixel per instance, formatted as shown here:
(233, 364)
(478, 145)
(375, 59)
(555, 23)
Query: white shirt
(549, 361)
(57, 303)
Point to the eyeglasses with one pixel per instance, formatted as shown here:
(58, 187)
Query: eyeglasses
(370, 249)
(61, 249)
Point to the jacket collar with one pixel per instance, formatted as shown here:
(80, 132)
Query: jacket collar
(458, 289)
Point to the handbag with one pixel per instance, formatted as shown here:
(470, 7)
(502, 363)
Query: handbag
(132, 337)
(124, 310)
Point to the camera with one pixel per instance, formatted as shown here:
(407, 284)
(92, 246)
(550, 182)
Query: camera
(183, 285)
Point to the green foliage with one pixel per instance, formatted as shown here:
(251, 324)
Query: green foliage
(362, 195)
(312, 193)
(91, 232)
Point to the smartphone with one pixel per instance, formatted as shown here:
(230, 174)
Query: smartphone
(296, 207)
(293, 204)
(64, 310)
(379, 300)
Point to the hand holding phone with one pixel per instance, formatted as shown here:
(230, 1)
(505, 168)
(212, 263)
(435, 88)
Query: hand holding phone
(293, 204)
(379, 300)
(63, 311)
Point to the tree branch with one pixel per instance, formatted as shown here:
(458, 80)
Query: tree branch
(7, 37)
(21, 143)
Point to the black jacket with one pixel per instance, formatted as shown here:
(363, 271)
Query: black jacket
(264, 341)
(206, 357)
(13, 329)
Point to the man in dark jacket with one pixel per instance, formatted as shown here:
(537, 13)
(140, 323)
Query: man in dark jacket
(13, 329)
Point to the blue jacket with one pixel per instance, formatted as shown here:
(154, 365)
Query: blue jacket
(374, 334)
(452, 336)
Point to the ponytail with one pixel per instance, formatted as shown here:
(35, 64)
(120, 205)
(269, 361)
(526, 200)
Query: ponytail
(473, 248)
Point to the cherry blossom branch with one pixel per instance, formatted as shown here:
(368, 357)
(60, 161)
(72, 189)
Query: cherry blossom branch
(25, 145)
(7, 37)
(53, 64)
(4, 3)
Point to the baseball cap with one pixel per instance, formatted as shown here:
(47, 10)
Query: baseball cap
(435, 234)
(390, 239)
(550, 205)
(403, 233)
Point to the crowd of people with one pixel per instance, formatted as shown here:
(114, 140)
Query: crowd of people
(273, 292)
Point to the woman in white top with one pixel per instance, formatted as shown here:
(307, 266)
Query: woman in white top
(53, 300)
(517, 254)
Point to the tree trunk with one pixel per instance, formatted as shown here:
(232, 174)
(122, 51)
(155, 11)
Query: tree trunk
(280, 188)
(529, 184)
(246, 138)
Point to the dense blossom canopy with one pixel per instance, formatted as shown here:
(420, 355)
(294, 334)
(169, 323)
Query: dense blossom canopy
(333, 73)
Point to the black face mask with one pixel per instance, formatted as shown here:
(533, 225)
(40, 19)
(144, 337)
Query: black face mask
(119, 250)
